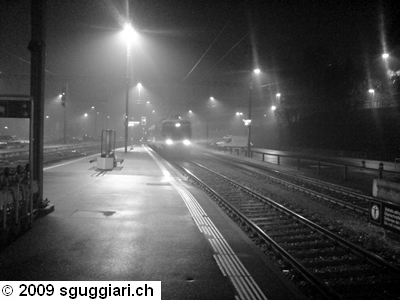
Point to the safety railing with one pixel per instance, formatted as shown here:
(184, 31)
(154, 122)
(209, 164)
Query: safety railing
(320, 163)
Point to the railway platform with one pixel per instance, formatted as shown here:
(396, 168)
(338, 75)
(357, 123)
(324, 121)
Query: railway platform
(140, 221)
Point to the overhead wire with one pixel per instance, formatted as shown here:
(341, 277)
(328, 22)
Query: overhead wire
(208, 49)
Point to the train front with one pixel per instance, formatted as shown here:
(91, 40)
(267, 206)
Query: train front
(177, 136)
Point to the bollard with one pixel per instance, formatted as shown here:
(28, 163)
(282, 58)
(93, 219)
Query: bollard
(363, 163)
(279, 160)
(263, 157)
(380, 170)
(345, 173)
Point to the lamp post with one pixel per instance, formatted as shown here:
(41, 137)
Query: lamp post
(208, 117)
(372, 91)
(129, 33)
(256, 71)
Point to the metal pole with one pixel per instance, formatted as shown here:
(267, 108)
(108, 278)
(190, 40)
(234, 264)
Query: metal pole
(249, 126)
(95, 124)
(65, 125)
(208, 112)
(37, 48)
(65, 115)
(127, 95)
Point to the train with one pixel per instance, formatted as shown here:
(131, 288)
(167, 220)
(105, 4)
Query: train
(171, 137)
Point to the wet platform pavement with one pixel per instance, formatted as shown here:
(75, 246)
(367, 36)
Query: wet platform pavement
(140, 222)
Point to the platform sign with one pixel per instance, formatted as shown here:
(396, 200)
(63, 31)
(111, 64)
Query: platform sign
(385, 214)
(133, 123)
(14, 106)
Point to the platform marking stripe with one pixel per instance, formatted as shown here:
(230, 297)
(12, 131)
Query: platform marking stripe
(217, 246)
(220, 265)
(247, 289)
(239, 288)
(229, 264)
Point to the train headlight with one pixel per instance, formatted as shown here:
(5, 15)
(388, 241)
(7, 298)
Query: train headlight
(169, 142)
(186, 142)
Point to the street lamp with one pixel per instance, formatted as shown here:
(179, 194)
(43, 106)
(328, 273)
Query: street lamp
(212, 99)
(256, 71)
(372, 91)
(140, 89)
(129, 34)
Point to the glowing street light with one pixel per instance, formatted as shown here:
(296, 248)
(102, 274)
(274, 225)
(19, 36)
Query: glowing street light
(372, 91)
(257, 72)
(130, 35)
(212, 99)
(385, 55)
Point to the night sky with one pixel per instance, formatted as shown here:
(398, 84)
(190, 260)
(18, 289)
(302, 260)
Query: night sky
(186, 43)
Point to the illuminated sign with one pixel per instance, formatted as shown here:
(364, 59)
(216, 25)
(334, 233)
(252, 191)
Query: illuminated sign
(15, 106)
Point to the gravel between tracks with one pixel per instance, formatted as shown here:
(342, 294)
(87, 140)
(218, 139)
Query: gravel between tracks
(351, 227)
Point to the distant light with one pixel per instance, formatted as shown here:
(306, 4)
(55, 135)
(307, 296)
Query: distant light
(129, 33)
(186, 142)
(190, 111)
(247, 122)
(385, 55)
(85, 115)
(239, 113)
(212, 98)
(47, 117)
(139, 85)
(5, 127)
(60, 95)
(148, 102)
(371, 91)
(177, 124)
(278, 95)
(169, 142)
(92, 107)
(257, 71)
(273, 107)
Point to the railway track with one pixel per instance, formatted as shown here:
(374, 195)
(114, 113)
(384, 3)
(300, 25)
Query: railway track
(324, 264)
(346, 198)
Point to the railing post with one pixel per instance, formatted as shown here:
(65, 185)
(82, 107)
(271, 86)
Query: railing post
(380, 170)
(345, 173)
(263, 157)
(279, 160)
